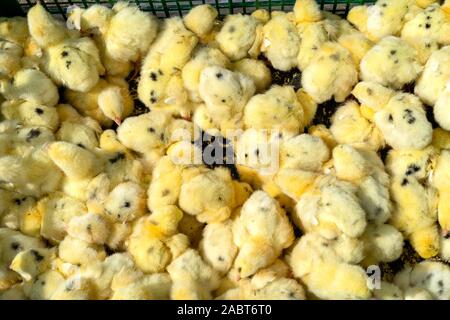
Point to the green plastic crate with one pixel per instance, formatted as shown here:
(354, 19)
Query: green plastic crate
(167, 8)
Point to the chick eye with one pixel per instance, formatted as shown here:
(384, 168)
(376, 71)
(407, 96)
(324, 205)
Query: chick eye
(39, 111)
(126, 204)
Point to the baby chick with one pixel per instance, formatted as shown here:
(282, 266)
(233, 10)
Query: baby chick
(202, 57)
(306, 11)
(225, 94)
(238, 36)
(427, 31)
(261, 231)
(372, 97)
(384, 18)
(325, 273)
(192, 278)
(207, 194)
(130, 32)
(276, 109)
(403, 122)
(166, 58)
(32, 86)
(440, 181)
(331, 73)
(434, 77)
(30, 114)
(383, 243)
(68, 156)
(217, 246)
(10, 58)
(200, 19)
(281, 42)
(392, 62)
(255, 70)
(14, 29)
(125, 202)
(348, 126)
(90, 227)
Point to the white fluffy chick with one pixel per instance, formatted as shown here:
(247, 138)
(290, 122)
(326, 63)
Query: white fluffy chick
(427, 31)
(192, 277)
(325, 272)
(166, 58)
(225, 94)
(392, 62)
(281, 42)
(202, 57)
(32, 86)
(432, 277)
(237, 36)
(331, 207)
(404, 123)
(434, 77)
(306, 11)
(261, 232)
(332, 73)
(384, 18)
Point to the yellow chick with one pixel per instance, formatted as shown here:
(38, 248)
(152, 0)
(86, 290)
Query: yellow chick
(217, 246)
(348, 126)
(312, 36)
(427, 31)
(68, 156)
(414, 215)
(207, 194)
(440, 181)
(78, 134)
(33, 173)
(276, 109)
(166, 58)
(10, 58)
(237, 36)
(77, 251)
(202, 57)
(200, 19)
(404, 123)
(434, 77)
(364, 168)
(74, 64)
(31, 114)
(225, 94)
(281, 43)
(331, 73)
(440, 109)
(32, 86)
(44, 286)
(30, 263)
(125, 202)
(392, 62)
(261, 231)
(306, 11)
(130, 32)
(325, 273)
(14, 29)
(384, 18)
(109, 100)
(255, 70)
(192, 277)
(56, 211)
(90, 227)
(44, 28)
(372, 96)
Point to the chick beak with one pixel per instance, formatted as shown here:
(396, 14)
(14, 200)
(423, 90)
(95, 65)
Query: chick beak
(444, 233)
(118, 121)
